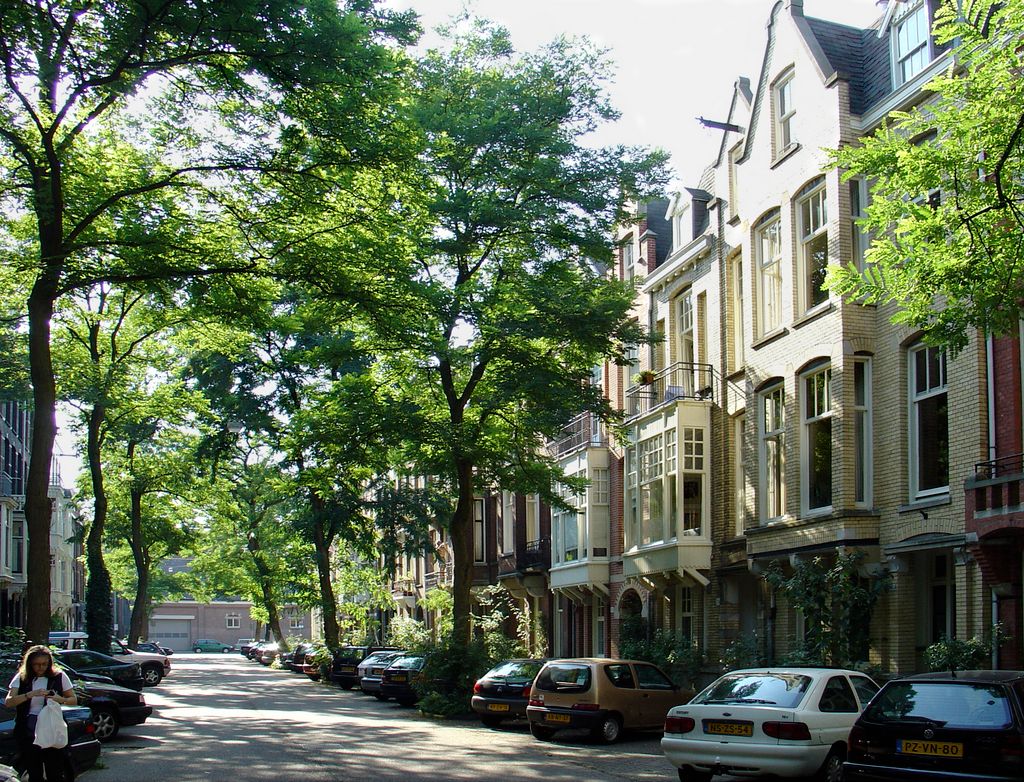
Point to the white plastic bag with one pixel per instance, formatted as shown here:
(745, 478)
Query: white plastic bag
(51, 730)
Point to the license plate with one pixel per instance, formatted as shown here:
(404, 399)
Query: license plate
(377, 671)
(942, 749)
(729, 728)
(348, 669)
(497, 707)
(399, 677)
(563, 718)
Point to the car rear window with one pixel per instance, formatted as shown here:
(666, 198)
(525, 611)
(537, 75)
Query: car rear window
(515, 669)
(564, 677)
(412, 663)
(949, 704)
(770, 689)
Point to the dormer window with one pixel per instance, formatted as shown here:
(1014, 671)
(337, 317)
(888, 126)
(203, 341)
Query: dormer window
(628, 260)
(782, 94)
(680, 234)
(911, 50)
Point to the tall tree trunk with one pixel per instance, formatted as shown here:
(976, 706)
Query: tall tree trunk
(322, 544)
(38, 505)
(266, 583)
(140, 553)
(462, 554)
(99, 620)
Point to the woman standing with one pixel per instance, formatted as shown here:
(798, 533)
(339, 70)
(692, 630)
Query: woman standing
(36, 682)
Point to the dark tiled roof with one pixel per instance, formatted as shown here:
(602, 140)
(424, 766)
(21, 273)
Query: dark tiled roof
(859, 56)
(876, 76)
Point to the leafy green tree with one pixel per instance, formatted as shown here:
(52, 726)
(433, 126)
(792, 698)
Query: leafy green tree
(947, 187)
(505, 306)
(99, 186)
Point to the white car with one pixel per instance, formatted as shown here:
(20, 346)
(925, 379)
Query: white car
(154, 666)
(789, 722)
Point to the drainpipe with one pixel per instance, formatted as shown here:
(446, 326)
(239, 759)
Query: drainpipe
(769, 648)
(990, 383)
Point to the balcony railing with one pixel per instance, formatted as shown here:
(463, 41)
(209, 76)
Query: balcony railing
(997, 486)
(682, 380)
(535, 555)
(584, 430)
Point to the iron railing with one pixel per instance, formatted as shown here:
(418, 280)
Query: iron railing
(585, 430)
(535, 555)
(682, 380)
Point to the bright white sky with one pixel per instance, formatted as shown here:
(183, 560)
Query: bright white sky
(677, 59)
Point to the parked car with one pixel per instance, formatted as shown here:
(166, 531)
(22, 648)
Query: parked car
(310, 666)
(155, 648)
(503, 692)
(268, 653)
(297, 658)
(67, 639)
(244, 642)
(346, 660)
(601, 695)
(941, 726)
(398, 679)
(113, 706)
(256, 650)
(371, 669)
(211, 645)
(245, 648)
(127, 674)
(789, 722)
(154, 666)
(83, 747)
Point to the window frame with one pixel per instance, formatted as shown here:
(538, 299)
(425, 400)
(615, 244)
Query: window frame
(808, 420)
(629, 258)
(772, 477)
(769, 273)
(783, 111)
(915, 400)
(807, 237)
(863, 433)
(899, 58)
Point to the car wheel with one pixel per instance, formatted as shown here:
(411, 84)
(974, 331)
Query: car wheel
(406, 701)
(489, 721)
(225, 650)
(106, 724)
(198, 650)
(346, 685)
(687, 774)
(541, 733)
(151, 676)
(609, 729)
(380, 697)
(832, 768)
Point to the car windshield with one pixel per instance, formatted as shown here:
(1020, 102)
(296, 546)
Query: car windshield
(564, 677)
(774, 689)
(945, 704)
(515, 669)
(413, 663)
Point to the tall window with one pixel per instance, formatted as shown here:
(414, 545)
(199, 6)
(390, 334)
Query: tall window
(929, 423)
(734, 189)
(739, 480)
(693, 479)
(599, 630)
(736, 321)
(599, 486)
(651, 469)
(686, 613)
(862, 434)
(565, 522)
(773, 464)
(812, 218)
(860, 238)
(769, 259)
(686, 341)
(479, 531)
(532, 517)
(632, 509)
(628, 260)
(784, 113)
(17, 546)
(941, 599)
(817, 462)
(508, 515)
(910, 48)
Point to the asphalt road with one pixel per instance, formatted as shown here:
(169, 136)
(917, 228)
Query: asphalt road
(223, 717)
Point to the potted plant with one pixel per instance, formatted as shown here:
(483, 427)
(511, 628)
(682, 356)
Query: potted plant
(644, 378)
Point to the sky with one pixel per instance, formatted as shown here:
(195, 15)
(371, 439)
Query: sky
(677, 59)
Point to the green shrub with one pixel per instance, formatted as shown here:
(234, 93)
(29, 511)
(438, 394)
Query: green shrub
(953, 654)
(450, 670)
(676, 655)
(745, 652)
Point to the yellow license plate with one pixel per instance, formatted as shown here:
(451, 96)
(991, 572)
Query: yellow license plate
(377, 671)
(399, 677)
(942, 749)
(563, 718)
(497, 707)
(729, 728)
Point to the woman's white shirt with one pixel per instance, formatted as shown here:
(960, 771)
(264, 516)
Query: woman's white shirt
(39, 683)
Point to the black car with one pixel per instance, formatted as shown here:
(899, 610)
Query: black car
(503, 692)
(345, 663)
(941, 726)
(153, 648)
(371, 669)
(82, 744)
(295, 659)
(246, 648)
(113, 706)
(87, 661)
(398, 679)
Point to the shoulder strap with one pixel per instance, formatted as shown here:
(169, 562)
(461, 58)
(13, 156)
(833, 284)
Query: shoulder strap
(24, 686)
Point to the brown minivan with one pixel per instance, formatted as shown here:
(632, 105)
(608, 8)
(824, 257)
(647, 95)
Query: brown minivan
(601, 695)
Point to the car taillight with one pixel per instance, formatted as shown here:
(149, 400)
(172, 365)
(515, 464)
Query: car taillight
(477, 689)
(585, 707)
(679, 724)
(787, 731)
(527, 689)
(1012, 748)
(536, 701)
(90, 728)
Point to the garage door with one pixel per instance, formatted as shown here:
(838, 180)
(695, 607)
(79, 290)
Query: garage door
(173, 633)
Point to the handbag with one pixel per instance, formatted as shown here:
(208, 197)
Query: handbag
(51, 730)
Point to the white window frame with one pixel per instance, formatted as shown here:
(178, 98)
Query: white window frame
(600, 486)
(917, 398)
(694, 453)
(783, 112)
(479, 531)
(860, 197)
(812, 225)
(650, 467)
(772, 429)
(628, 259)
(863, 433)
(508, 517)
(233, 621)
(769, 273)
(738, 344)
(910, 56)
(632, 505)
(816, 407)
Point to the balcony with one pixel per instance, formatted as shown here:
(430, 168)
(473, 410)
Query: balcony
(681, 381)
(583, 431)
(994, 493)
(534, 557)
